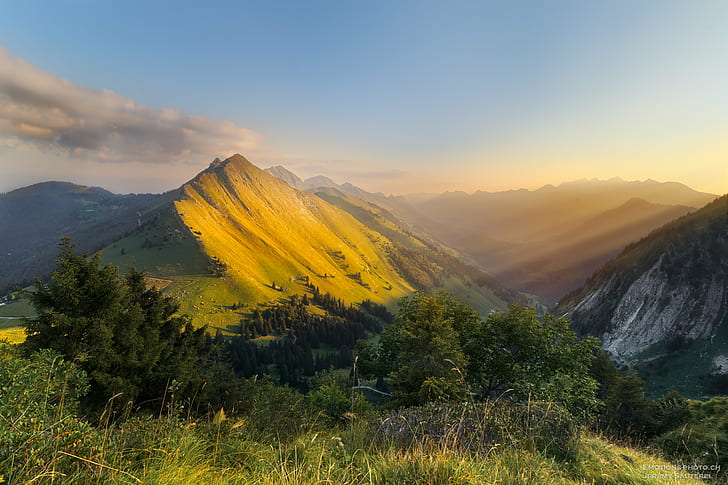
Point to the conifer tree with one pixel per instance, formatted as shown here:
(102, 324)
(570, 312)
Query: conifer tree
(127, 337)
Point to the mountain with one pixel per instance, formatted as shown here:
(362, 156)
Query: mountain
(265, 231)
(321, 181)
(282, 173)
(662, 304)
(236, 234)
(34, 218)
(549, 240)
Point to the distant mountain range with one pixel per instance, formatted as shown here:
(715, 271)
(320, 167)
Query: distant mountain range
(548, 241)
(312, 184)
(662, 304)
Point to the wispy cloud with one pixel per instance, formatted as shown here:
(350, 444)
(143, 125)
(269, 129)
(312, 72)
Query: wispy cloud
(57, 115)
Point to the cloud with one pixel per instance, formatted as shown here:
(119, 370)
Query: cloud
(56, 115)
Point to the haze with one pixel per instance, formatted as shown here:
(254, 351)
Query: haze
(396, 97)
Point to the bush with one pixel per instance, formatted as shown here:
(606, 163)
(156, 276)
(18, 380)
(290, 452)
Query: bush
(277, 413)
(39, 430)
(481, 428)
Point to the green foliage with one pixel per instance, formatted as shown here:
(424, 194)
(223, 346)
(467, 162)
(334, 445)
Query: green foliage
(332, 394)
(38, 405)
(306, 341)
(627, 411)
(439, 349)
(531, 357)
(669, 412)
(278, 439)
(277, 413)
(332, 400)
(126, 337)
(428, 360)
(699, 434)
(604, 373)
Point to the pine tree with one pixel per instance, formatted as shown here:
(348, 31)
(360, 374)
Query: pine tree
(127, 337)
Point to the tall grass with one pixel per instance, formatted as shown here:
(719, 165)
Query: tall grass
(279, 439)
(168, 451)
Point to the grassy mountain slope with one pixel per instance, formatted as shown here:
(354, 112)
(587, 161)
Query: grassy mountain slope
(236, 234)
(480, 289)
(267, 232)
(662, 304)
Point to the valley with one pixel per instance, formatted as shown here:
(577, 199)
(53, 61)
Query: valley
(363, 243)
(291, 281)
(236, 237)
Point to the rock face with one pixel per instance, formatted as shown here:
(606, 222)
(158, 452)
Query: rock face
(652, 311)
(663, 302)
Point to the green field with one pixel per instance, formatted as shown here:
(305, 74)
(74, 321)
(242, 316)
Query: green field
(16, 309)
(11, 317)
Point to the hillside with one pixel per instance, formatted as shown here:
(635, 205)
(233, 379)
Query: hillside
(34, 218)
(662, 304)
(267, 232)
(549, 240)
(236, 234)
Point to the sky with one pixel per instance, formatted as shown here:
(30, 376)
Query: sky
(393, 96)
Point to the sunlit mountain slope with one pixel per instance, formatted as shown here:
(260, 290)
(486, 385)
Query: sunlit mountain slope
(267, 234)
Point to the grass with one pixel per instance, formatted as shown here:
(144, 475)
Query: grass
(13, 335)
(16, 309)
(282, 439)
(166, 451)
(11, 316)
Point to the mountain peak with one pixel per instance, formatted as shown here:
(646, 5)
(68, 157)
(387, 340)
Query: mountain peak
(321, 181)
(282, 173)
(237, 159)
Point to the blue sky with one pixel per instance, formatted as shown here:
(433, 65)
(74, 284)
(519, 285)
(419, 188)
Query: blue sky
(396, 96)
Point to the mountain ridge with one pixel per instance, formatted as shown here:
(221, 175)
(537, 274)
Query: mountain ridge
(662, 303)
(504, 232)
(235, 236)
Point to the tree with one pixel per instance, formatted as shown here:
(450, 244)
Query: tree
(518, 352)
(127, 337)
(439, 348)
(627, 412)
(423, 351)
